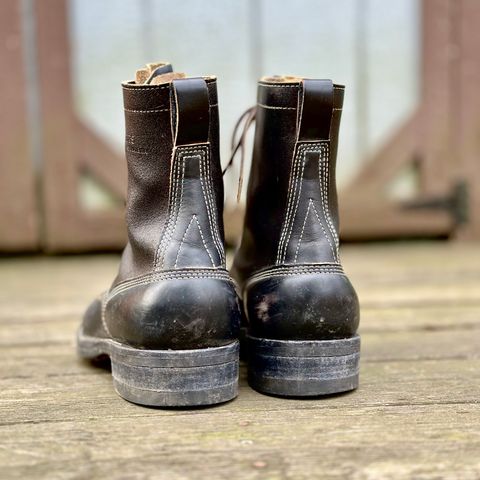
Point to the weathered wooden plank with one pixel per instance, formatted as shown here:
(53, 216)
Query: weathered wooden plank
(19, 212)
(418, 318)
(68, 227)
(82, 392)
(467, 122)
(411, 262)
(51, 339)
(415, 415)
(405, 275)
(342, 443)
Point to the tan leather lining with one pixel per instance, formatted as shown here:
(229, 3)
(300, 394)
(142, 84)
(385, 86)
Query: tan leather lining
(143, 74)
(288, 79)
(281, 79)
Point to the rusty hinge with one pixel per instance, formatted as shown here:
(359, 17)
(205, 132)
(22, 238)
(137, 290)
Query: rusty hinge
(455, 203)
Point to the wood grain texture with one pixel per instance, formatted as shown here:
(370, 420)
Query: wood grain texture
(19, 214)
(440, 137)
(415, 415)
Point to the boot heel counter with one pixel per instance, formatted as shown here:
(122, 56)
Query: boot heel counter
(320, 305)
(186, 312)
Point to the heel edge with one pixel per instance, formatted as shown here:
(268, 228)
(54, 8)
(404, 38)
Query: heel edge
(168, 378)
(294, 368)
(177, 378)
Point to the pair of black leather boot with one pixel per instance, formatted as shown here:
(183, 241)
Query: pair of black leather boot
(171, 320)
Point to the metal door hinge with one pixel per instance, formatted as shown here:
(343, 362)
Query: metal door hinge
(456, 203)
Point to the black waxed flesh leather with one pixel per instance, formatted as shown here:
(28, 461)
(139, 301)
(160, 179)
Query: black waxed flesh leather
(172, 290)
(288, 262)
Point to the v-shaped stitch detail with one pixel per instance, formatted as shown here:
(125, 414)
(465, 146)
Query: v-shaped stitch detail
(310, 202)
(192, 220)
(324, 231)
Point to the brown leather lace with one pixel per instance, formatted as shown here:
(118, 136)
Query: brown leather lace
(245, 121)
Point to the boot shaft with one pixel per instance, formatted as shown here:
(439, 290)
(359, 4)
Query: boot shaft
(172, 273)
(292, 212)
(175, 188)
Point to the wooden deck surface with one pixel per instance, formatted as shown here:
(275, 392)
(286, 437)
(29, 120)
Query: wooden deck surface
(416, 414)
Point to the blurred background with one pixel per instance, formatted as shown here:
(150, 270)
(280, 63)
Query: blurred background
(410, 136)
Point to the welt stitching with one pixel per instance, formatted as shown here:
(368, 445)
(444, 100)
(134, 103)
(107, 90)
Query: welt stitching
(271, 85)
(183, 239)
(142, 89)
(153, 280)
(208, 182)
(290, 220)
(287, 274)
(173, 273)
(178, 206)
(272, 107)
(294, 85)
(204, 157)
(302, 150)
(203, 241)
(303, 266)
(303, 230)
(323, 196)
(155, 110)
(169, 275)
(172, 196)
(325, 233)
(172, 205)
(138, 152)
(201, 155)
(327, 187)
(297, 269)
(324, 180)
(203, 176)
(291, 193)
(292, 272)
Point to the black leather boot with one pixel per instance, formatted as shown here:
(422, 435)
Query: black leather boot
(302, 311)
(170, 320)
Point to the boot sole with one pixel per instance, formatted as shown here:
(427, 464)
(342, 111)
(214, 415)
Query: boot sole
(295, 368)
(168, 378)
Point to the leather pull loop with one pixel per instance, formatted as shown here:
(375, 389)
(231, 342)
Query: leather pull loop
(316, 108)
(190, 111)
